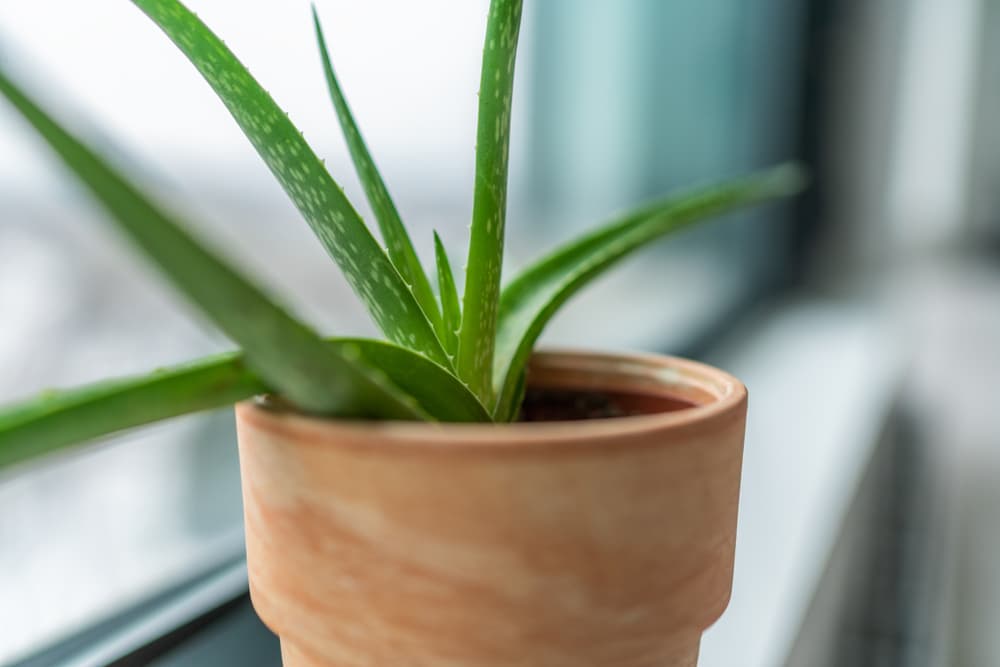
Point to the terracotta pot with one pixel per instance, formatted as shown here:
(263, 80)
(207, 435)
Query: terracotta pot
(563, 544)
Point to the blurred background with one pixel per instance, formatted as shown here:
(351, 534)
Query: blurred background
(864, 316)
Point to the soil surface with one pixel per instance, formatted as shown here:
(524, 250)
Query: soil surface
(541, 405)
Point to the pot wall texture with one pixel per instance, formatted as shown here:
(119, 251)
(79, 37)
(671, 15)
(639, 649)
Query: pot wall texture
(604, 542)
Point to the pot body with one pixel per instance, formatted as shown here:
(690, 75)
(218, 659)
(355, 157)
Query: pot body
(561, 544)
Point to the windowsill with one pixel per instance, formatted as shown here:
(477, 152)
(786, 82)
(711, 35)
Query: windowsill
(822, 381)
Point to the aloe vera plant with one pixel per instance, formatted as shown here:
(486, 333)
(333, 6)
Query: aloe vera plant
(447, 357)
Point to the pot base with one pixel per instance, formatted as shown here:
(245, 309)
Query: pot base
(294, 656)
(681, 653)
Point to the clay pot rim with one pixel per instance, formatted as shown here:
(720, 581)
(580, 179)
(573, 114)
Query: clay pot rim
(724, 396)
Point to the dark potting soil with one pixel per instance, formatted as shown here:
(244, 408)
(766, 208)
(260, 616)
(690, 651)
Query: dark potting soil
(541, 405)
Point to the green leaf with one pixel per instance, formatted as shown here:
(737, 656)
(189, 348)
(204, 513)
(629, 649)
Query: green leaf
(529, 301)
(290, 355)
(489, 209)
(449, 296)
(55, 420)
(304, 178)
(436, 389)
(58, 419)
(397, 240)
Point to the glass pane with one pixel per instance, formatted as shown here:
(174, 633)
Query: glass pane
(635, 98)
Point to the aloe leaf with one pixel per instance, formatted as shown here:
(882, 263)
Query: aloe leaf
(55, 420)
(535, 295)
(58, 419)
(304, 178)
(290, 355)
(450, 308)
(436, 389)
(397, 240)
(489, 208)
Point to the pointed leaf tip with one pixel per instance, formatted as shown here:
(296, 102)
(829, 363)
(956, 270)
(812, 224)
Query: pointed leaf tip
(319, 198)
(485, 258)
(450, 307)
(398, 244)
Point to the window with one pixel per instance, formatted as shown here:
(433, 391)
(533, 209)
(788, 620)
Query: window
(618, 102)
(634, 99)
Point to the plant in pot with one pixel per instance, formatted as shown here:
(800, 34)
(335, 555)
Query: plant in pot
(446, 496)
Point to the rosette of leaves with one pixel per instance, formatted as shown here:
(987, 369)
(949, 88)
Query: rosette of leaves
(446, 357)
